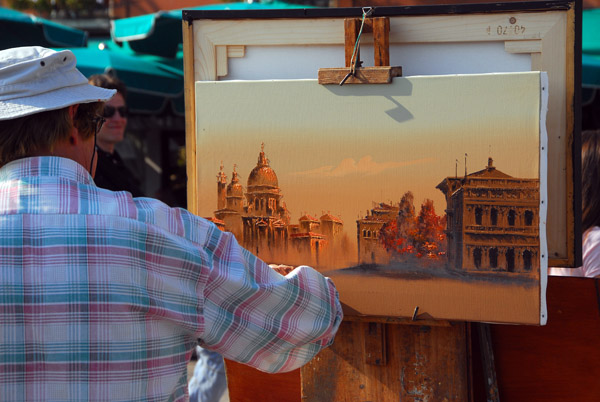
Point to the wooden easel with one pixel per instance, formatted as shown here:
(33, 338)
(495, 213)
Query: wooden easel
(375, 358)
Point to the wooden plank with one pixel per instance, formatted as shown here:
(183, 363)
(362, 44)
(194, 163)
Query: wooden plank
(423, 363)
(572, 164)
(477, 27)
(409, 29)
(190, 114)
(364, 75)
(487, 362)
(375, 344)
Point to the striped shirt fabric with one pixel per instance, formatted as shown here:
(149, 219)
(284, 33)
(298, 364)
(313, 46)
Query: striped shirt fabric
(104, 296)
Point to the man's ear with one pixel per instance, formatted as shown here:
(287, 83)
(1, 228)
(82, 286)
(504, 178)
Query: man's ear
(74, 135)
(73, 110)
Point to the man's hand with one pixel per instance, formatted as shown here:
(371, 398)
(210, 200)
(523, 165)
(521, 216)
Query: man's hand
(282, 269)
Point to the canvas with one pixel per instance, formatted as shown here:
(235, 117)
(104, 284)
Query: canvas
(424, 197)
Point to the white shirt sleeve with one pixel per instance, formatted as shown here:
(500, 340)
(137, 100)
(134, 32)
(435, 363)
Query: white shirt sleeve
(591, 257)
(591, 252)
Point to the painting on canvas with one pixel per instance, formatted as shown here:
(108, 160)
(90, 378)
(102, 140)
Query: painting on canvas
(425, 195)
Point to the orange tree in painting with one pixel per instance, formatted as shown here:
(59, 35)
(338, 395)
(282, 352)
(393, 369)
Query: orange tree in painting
(421, 235)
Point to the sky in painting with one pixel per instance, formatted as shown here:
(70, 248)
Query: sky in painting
(339, 149)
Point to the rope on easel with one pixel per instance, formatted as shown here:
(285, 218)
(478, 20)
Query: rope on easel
(367, 11)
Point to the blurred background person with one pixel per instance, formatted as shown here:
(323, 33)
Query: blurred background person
(112, 173)
(590, 199)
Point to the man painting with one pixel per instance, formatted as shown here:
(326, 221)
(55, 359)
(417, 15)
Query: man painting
(103, 296)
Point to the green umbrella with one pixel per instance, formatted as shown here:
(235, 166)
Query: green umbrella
(20, 29)
(590, 58)
(161, 34)
(151, 85)
(590, 32)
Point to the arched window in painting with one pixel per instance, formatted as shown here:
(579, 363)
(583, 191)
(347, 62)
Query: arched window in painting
(494, 257)
(510, 260)
(527, 261)
(494, 217)
(511, 217)
(477, 257)
(528, 218)
(478, 215)
(364, 233)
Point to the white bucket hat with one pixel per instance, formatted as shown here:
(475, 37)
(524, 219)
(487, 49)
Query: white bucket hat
(34, 79)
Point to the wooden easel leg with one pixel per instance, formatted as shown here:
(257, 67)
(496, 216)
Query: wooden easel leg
(487, 362)
(424, 362)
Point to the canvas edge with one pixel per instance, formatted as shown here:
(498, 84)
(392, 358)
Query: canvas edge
(543, 196)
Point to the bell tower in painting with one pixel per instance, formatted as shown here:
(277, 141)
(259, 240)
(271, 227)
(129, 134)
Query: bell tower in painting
(221, 188)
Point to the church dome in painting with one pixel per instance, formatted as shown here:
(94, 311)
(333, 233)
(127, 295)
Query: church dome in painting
(262, 174)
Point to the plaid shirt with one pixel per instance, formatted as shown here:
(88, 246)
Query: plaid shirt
(103, 296)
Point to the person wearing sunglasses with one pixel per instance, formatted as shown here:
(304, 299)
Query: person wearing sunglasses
(103, 296)
(112, 173)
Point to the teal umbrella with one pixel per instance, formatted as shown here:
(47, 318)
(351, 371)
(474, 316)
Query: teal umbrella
(590, 70)
(20, 29)
(590, 32)
(152, 86)
(590, 58)
(161, 34)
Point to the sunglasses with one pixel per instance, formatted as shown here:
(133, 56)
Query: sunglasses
(109, 111)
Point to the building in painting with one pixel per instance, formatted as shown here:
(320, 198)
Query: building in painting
(370, 248)
(307, 239)
(492, 221)
(261, 223)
